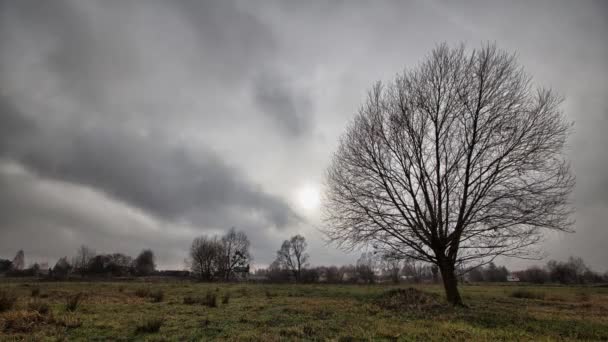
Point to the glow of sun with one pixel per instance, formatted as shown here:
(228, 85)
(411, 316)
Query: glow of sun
(308, 197)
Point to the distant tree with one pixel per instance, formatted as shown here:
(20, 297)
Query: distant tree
(572, 271)
(533, 274)
(494, 273)
(292, 255)
(455, 162)
(81, 261)
(365, 268)
(5, 265)
(19, 261)
(120, 264)
(391, 267)
(310, 275)
(234, 253)
(205, 257)
(144, 263)
(34, 269)
(62, 268)
(332, 275)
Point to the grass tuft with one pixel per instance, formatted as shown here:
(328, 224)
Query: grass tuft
(142, 292)
(7, 300)
(527, 294)
(226, 298)
(149, 326)
(157, 296)
(210, 300)
(72, 302)
(39, 306)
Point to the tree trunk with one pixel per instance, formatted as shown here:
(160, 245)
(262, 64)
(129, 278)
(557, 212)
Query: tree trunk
(450, 284)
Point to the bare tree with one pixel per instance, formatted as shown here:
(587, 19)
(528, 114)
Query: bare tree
(365, 268)
(234, 252)
(205, 258)
(292, 255)
(144, 263)
(82, 259)
(391, 267)
(19, 261)
(456, 161)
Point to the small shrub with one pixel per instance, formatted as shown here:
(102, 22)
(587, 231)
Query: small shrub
(67, 321)
(308, 331)
(210, 300)
(7, 300)
(72, 302)
(157, 296)
(527, 294)
(142, 292)
(189, 300)
(39, 306)
(21, 321)
(269, 294)
(410, 298)
(226, 298)
(584, 296)
(205, 323)
(121, 289)
(35, 292)
(150, 326)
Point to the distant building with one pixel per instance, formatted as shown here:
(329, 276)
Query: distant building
(512, 278)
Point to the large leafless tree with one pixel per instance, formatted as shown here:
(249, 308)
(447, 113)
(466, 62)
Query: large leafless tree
(456, 161)
(292, 256)
(234, 252)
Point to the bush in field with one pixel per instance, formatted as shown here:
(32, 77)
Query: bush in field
(72, 302)
(157, 296)
(142, 292)
(226, 298)
(7, 300)
(210, 300)
(39, 306)
(190, 300)
(150, 326)
(527, 294)
(35, 292)
(410, 298)
(21, 321)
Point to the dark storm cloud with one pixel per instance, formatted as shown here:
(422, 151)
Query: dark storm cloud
(146, 172)
(145, 123)
(100, 122)
(288, 108)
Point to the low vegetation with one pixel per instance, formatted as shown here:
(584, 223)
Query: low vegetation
(524, 293)
(73, 301)
(152, 325)
(265, 312)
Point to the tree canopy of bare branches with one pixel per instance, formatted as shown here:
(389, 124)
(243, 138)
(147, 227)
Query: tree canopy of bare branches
(292, 256)
(458, 160)
(212, 257)
(234, 252)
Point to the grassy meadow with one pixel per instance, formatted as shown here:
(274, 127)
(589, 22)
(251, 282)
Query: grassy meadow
(185, 311)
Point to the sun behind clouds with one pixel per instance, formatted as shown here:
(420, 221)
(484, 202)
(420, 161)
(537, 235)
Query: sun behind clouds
(308, 197)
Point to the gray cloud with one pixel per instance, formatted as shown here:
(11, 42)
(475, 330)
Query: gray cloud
(291, 110)
(148, 122)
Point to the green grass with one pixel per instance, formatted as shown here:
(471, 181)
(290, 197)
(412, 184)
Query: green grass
(259, 312)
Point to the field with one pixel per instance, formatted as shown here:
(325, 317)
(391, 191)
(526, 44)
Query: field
(161, 311)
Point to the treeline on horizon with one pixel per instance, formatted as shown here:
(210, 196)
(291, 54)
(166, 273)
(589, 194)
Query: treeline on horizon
(227, 258)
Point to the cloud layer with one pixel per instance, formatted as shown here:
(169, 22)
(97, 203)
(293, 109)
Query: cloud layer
(134, 124)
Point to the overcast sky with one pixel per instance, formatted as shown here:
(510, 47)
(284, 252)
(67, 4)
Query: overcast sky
(142, 124)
